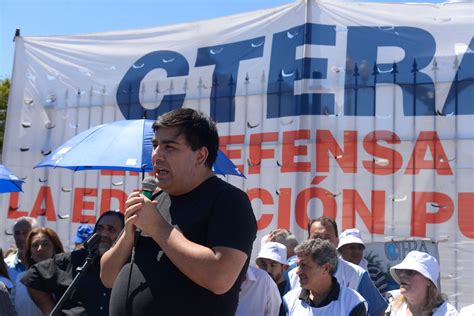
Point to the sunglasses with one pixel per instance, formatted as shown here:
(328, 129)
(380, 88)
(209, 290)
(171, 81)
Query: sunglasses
(407, 272)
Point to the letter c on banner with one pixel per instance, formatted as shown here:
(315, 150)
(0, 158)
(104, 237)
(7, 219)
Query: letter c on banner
(266, 199)
(128, 92)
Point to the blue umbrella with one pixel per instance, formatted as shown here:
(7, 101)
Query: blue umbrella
(120, 145)
(8, 181)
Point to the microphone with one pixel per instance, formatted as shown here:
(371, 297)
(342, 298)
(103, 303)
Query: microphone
(149, 185)
(92, 243)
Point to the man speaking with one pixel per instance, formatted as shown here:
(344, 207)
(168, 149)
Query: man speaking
(193, 262)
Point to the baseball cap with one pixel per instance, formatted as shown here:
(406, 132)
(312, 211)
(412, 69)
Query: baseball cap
(273, 251)
(83, 232)
(421, 262)
(350, 236)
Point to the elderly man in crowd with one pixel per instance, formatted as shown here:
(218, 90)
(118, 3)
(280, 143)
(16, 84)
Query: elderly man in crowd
(346, 273)
(320, 293)
(16, 262)
(21, 229)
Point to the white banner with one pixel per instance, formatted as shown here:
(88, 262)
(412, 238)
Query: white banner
(360, 111)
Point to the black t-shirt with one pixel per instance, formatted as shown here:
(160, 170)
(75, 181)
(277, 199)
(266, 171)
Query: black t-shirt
(54, 276)
(213, 214)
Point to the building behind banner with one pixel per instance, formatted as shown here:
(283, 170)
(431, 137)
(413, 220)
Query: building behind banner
(359, 111)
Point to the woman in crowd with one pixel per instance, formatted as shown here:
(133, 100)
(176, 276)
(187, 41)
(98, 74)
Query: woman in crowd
(419, 294)
(42, 243)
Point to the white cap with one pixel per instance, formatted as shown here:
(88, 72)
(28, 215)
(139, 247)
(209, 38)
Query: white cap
(273, 251)
(421, 262)
(350, 236)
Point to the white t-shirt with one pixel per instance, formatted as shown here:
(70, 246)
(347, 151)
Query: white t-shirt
(259, 295)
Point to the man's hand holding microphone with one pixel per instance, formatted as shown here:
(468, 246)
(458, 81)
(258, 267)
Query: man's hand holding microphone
(140, 215)
(140, 212)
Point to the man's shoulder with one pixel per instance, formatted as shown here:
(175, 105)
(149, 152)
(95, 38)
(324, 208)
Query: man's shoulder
(62, 260)
(259, 275)
(293, 294)
(216, 183)
(347, 291)
(62, 257)
(226, 193)
(350, 266)
(47, 265)
(57, 265)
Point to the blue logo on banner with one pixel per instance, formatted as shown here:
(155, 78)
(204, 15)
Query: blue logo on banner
(391, 251)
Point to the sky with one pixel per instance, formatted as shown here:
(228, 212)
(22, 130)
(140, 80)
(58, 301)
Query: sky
(59, 17)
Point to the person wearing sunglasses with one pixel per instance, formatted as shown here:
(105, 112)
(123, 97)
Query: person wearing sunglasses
(420, 294)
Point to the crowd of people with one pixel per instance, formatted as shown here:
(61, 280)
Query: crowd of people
(331, 277)
(186, 249)
(328, 282)
(37, 274)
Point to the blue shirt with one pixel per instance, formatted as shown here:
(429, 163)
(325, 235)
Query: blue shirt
(14, 266)
(377, 304)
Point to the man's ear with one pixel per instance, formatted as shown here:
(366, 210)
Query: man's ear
(201, 155)
(327, 267)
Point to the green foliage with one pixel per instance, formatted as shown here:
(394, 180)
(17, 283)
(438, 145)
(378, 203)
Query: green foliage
(373, 259)
(4, 90)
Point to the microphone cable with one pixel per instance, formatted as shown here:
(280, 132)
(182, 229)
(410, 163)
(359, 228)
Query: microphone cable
(132, 258)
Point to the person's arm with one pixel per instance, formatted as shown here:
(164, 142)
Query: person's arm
(376, 303)
(43, 300)
(114, 259)
(215, 269)
(273, 303)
